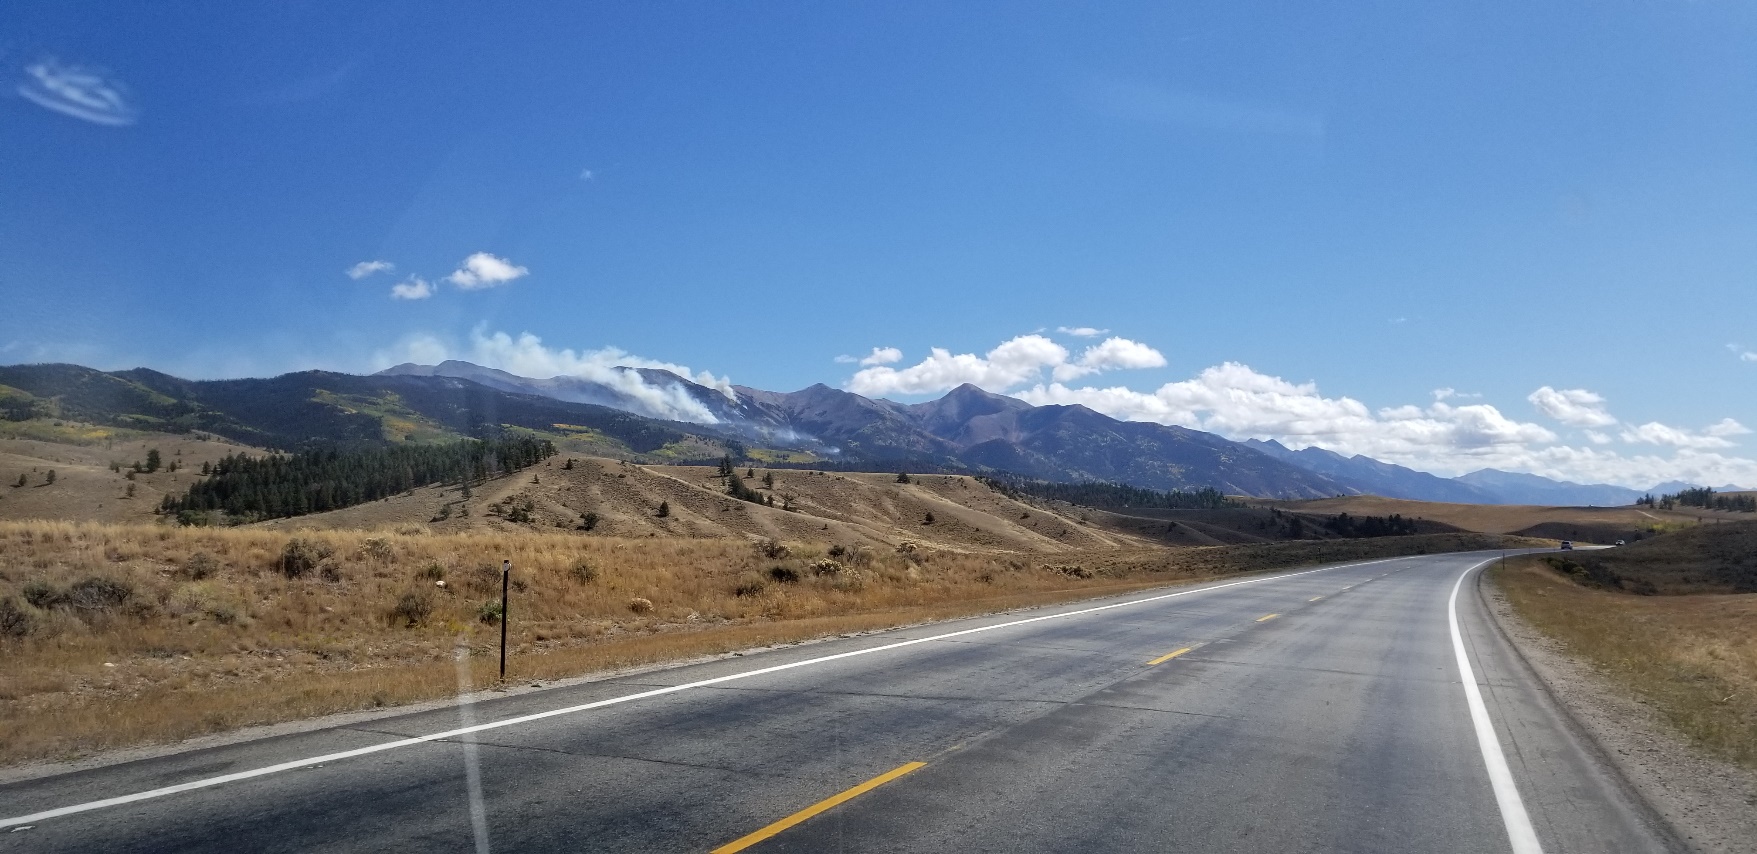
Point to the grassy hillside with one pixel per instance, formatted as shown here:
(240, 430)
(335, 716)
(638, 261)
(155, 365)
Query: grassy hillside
(1708, 558)
(1694, 657)
(846, 507)
(85, 487)
(1592, 524)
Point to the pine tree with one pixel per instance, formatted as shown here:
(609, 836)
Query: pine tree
(49, 478)
(769, 479)
(152, 461)
(664, 509)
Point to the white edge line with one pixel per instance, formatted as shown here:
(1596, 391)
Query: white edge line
(1519, 830)
(209, 782)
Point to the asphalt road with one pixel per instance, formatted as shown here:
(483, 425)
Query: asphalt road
(1340, 724)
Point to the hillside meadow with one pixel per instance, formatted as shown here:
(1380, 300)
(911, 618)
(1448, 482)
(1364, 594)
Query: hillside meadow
(127, 634)
(1692, 657)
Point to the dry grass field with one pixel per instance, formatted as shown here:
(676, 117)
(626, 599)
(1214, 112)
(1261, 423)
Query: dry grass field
(843, 507)
(1508, 518)
(1693, 657)
(85, 488)
(128, 634)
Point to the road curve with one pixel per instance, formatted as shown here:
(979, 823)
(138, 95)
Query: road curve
(1321, 710)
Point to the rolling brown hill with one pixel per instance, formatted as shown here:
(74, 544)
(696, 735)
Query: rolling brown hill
(1588, 524)
(85, 489)
(842, 507)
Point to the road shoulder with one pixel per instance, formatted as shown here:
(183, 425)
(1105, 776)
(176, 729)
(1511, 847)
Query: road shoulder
(1710, 803)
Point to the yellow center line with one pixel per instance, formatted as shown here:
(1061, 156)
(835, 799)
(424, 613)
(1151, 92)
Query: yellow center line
(746, 841)
(1267, 617)
(1314, 598)
(1168, 656)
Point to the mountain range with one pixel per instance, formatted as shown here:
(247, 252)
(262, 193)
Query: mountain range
(647, 413)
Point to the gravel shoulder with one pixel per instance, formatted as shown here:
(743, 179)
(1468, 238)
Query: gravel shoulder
(1709, 802)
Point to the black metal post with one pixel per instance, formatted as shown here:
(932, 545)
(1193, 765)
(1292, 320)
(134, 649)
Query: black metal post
(505, 573)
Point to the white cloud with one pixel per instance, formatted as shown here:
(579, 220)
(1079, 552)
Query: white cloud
(1021, 360)
(1655, 433)
(1743, 354)
(412, 288)
(586, 175)
(1113, 354)
(1236, 401)
(483, 270)
(366, 268)
(1081, 331)
(878, 356)
(1575, 407)
(1598, 438)
(77, 91)
(1014, 362)
(1727, 427)
(882, 356)
(526, 355)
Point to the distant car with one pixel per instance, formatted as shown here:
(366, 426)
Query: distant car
(1620, 542)
(1567, 546)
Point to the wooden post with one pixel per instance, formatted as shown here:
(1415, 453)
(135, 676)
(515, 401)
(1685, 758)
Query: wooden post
(505, 574)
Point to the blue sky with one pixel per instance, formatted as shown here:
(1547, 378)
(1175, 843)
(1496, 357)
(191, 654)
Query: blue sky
(1364, 203)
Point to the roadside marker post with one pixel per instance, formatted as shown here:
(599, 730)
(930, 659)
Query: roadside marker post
(505, 574)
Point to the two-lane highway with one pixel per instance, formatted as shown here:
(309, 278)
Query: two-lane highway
(1317, 710)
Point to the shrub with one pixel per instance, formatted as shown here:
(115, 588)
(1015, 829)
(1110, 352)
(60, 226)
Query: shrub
(902, 477)
(826, 567)
(433, 572)
(302, 556)
(589, 521)
(664, 509)
(927, 519)
(784, 574)
(490, 612)
(98, 594)
(200, 565)
(838, 550)
(485, 578)
(41, 594)
(772, 549)
(376, 548)
(1072, 571)
(413, 608)
(583, 572)
(15, 622)
(640, 606)
(750, 584)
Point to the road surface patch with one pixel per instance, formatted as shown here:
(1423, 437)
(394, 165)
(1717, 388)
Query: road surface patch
(748, 840)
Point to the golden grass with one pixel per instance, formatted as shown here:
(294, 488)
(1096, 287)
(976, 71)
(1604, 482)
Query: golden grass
(245, 644)
(1693, 657)
(1494, 518)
